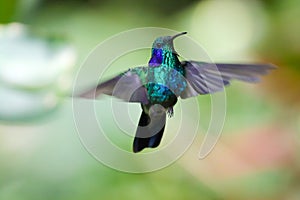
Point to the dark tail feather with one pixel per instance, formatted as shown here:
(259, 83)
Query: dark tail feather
(154, 128)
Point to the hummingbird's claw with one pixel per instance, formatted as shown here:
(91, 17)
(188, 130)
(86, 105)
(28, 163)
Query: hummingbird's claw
(170, 112)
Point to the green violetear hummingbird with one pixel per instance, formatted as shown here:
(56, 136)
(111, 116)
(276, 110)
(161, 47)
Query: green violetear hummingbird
(158, 86)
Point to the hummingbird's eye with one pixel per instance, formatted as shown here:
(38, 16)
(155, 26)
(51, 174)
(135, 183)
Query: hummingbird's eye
(158, 45)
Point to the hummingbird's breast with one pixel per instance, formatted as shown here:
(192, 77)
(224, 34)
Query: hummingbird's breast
(165, 84)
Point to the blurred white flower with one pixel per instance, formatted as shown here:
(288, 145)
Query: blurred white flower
(33, 72)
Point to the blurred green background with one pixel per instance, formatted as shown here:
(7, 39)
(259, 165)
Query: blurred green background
(257, 156)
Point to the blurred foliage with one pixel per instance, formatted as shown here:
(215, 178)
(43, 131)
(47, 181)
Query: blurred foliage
(162, 8)
(257, 156)
(7, 10)
(282, 44)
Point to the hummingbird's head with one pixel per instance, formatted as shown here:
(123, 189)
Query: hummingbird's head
(165, 43)
(161, 46)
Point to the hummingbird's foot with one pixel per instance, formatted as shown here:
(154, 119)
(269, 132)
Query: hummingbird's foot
(170, 112)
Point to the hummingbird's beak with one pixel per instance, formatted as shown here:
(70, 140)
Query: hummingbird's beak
(179, 34)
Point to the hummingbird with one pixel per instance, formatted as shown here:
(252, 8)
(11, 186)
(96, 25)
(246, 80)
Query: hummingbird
(158, 86)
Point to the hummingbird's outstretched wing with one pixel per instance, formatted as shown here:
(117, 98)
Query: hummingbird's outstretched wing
(207, 78)
(126, 86)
